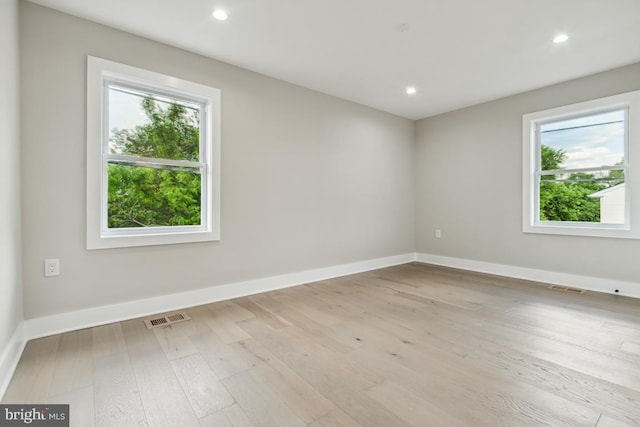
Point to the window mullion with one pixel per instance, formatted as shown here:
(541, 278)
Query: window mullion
(582, 170)
(135, 160)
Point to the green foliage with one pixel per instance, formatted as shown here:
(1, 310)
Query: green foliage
(148, 197)
(551, 159)
(172, 133)
(569, 201)
(617, 176)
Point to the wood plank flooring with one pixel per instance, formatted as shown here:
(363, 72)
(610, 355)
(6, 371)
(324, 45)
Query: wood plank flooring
(412, 345)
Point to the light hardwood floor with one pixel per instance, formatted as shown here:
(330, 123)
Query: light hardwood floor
(408, 345)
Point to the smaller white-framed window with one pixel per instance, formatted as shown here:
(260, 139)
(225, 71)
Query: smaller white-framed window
(578, 165)
(153, 158)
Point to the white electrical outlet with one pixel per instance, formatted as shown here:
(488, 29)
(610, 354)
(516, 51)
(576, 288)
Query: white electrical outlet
(438, 233)
(52, 267)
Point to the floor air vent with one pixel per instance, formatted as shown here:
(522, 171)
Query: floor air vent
(168, 319)
(567, 289)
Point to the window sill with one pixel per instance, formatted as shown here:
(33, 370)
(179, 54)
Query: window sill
(168, 238)
(615, 231)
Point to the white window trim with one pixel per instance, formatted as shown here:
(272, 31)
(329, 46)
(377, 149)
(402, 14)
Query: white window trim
(100, 71)
(530, 223)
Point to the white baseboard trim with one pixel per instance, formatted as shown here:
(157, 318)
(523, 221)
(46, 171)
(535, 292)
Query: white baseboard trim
(70, 321)
(64, 322)
(597, 284)
(10, 357)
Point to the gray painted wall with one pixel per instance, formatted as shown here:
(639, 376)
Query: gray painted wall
(469, 185)
(10, 269)
(308, 180)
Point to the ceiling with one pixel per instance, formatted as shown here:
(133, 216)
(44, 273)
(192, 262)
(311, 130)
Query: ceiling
(455, 52)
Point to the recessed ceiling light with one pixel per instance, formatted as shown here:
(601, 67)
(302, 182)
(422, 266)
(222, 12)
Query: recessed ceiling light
(411, 90)
(220, 15)
(560, 38)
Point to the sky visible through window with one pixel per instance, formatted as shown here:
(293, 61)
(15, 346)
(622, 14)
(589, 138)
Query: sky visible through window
(587, 142)
(126, 112)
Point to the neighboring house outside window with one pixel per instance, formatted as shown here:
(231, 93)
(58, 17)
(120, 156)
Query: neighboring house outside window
(612, 204)
(153, 158)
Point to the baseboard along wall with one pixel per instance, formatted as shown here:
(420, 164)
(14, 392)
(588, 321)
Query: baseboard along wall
(596, 284)
(11, 356)
(95, 316)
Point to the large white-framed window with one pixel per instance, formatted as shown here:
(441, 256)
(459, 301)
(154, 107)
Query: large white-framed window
(153, 158)
(579, 163)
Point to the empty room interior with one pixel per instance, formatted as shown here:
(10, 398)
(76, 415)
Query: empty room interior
(320, 213)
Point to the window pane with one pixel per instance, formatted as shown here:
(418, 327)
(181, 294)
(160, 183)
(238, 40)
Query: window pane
(585, 142)
(142, 196)
(583, 197)
(152, 125)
